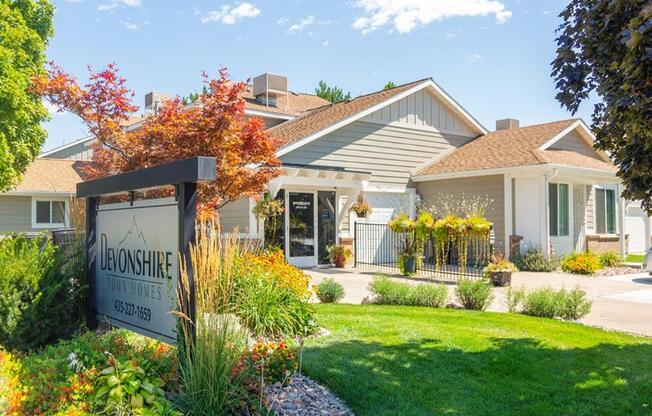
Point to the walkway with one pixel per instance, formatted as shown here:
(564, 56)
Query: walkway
(622, 303)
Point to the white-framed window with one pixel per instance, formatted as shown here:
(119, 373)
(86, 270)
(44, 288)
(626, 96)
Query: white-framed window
(558, 208)
(49, 212)
(605, 211)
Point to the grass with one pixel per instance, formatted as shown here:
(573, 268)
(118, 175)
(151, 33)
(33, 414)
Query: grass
(634, 258)
(397, 360)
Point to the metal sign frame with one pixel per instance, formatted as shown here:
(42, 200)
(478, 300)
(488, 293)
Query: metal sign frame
(184, 176)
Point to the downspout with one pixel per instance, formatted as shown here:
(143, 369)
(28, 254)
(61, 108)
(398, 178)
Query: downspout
(546, 206)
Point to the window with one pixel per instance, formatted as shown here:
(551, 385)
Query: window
(558, 209)
(605, 211)
(48, 213)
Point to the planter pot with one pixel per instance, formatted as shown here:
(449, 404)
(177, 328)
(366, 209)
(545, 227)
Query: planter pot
(410, 265)
(501, 279)
(361, 215)
(339, 260)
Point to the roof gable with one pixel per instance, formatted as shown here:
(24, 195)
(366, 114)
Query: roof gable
(507, 148)
(319, 122)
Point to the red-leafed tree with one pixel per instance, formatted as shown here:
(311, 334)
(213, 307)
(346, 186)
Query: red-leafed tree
(213, 126)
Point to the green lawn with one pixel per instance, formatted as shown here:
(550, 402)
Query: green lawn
(634, 258)
(389, 360)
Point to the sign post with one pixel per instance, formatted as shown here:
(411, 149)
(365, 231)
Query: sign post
(133, 248)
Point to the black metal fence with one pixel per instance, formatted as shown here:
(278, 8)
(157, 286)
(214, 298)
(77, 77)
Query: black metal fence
(377, 247)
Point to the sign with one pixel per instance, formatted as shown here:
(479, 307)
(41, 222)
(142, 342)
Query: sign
(137, 266)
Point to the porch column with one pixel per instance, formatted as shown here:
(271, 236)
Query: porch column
(621, 221)
(507, 189)
(344, 209)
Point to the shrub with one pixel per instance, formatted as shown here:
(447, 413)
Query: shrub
(543, 302)
(514, 298)
(548, 303)
(474, 294)
(286, 275)
(329, 291)
(610, 259)
(534, 260)
(62, 378)
(581, 263)
(268, 309)
(41, 295)
(575, 305)
(388, 292)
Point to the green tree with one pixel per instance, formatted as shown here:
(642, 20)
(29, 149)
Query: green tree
(389, 85)
(605, 47)
(25, 27)
(332, 94)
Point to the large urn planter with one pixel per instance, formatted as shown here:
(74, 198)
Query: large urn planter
(501, 279)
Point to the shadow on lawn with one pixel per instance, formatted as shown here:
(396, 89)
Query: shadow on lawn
(513, 376)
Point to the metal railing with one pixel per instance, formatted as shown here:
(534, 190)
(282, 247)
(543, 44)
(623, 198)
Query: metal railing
(377, 247)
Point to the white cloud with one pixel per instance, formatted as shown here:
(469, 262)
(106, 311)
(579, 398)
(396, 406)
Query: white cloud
(406, 15)
(282, 21)
(130, 25)
(326, 43)
(229, 15)
(473, 58)
(305, 23)
(113, 4)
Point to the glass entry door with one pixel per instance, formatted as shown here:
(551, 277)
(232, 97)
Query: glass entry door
(301, 225)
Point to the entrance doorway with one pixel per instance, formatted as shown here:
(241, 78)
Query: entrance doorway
(301, 225)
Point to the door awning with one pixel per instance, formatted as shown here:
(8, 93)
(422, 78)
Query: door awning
(315, 177)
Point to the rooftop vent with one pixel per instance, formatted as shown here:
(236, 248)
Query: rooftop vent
(154, 100)
(268, 87)
(507, 123)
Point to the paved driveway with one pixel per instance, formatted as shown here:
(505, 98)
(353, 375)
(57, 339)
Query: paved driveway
(621, 303)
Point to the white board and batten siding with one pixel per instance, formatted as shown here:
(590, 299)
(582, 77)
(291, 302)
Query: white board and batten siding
(422, 110)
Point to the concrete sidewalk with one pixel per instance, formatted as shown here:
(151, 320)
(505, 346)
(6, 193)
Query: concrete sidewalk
(622, 303)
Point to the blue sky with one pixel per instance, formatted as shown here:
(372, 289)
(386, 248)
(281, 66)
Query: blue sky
(492, 56)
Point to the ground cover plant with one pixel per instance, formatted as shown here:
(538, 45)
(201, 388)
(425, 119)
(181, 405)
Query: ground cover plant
(72, 376)
(389, 292)
(634, 258)
(397, 360)
(610, 259)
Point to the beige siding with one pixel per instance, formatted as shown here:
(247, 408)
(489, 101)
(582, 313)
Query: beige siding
(390, 153)
(421, 109)
(590, 211)
(235, 215)
(490, 187)
(575, 143)
(15, 214)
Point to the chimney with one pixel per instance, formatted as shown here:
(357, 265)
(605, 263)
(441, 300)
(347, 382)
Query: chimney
(154, 100)
(507, 123)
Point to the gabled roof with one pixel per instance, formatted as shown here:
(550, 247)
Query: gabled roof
(50, 176)
(517, 147)
(322, 120)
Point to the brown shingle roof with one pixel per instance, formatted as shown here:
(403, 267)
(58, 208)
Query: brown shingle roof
(513, 147)
(292, 104)
(51, 175)
(323, 117)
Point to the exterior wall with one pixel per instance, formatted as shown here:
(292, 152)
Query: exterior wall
(80, 151)
(600, 243)
(389, 152)
(15, 214)
(490, 187)
(575, 143)
(590, 209)
(235, 215)
(529, 211)
(423, 110)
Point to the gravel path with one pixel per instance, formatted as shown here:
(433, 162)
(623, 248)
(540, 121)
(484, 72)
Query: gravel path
(304, 397)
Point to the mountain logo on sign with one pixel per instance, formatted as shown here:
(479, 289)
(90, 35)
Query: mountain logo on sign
(134, 231)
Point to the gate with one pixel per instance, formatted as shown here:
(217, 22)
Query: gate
(376, 247)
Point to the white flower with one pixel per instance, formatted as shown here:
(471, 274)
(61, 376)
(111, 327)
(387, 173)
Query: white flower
(74, 363)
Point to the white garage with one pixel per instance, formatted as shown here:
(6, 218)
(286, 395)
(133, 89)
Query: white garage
(637, 225)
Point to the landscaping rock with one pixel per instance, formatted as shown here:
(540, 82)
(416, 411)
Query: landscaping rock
(303, 397)
(617, 271)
